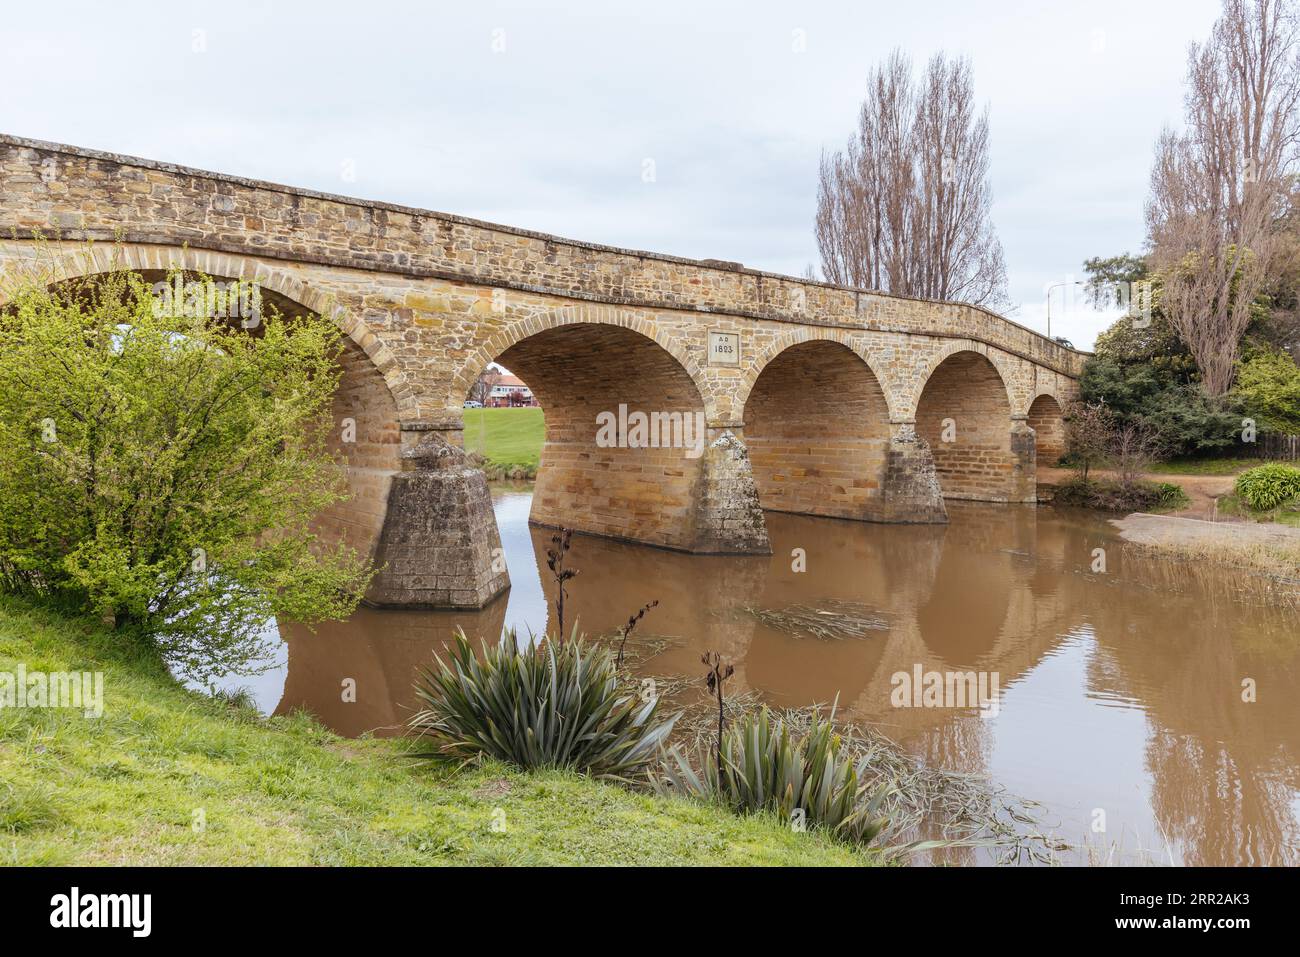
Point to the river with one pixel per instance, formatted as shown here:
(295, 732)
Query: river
(1148, 706)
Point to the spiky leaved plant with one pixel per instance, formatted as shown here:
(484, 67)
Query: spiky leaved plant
(1266, 487)
(553, 705)
(763, 767)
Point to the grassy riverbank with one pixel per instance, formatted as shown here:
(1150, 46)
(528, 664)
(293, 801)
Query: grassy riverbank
(128, 787)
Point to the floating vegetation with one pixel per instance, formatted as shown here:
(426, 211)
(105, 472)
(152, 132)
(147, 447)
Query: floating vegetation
(832, 618)
(698, 725)
(932, 802)
(671, 687)
(638, 651)
(641, 648)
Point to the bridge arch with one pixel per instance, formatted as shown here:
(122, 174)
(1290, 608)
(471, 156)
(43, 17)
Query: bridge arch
(87, 261)
(1000, 362)
(365, 433)
(817, 426)
(843, 337)
(624, 454)
(1039, 392)
(1046, 417)
(489, 349)
(964, 413)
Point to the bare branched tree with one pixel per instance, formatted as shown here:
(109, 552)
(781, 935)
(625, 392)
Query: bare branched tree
(1218, 187)
(904, 208)
(1089, 435)
(1134, 448)
(482, 388)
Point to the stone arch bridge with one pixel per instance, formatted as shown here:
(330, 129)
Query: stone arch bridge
(772, 392)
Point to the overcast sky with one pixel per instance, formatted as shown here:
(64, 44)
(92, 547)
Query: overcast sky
(548, 115)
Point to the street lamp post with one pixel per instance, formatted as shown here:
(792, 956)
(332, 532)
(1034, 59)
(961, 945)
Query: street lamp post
(1050, 287)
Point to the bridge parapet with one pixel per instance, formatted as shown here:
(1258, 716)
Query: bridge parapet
(75, 193)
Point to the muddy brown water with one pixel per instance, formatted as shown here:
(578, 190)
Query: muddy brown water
(1119, 692)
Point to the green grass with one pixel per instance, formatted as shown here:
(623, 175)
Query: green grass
(506, 437)
(1287, 514)
(1204, 466)
(125, 788)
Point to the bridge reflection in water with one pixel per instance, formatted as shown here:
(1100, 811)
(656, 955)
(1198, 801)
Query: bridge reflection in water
(1120, 691)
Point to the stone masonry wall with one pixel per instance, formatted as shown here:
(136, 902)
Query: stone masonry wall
(730, 517)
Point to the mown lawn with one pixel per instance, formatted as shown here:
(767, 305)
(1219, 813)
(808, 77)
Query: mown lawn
(506, 437)
(132, 787)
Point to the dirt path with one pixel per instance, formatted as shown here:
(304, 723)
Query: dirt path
(1202, 490)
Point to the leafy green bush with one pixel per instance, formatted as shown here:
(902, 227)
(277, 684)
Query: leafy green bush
(765, 769)
(161, 467)
(1163, 397)
(1268, 388)
(1170, 495)
(553, 706)
(1269, 486)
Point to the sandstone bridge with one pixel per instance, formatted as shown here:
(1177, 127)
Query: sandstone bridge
(814, 399)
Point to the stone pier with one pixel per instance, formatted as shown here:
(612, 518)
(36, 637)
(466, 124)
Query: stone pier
(439, 547)
(911, 486)
(729, 519)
